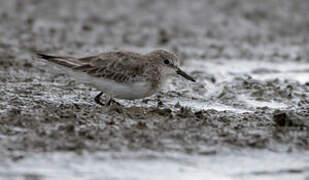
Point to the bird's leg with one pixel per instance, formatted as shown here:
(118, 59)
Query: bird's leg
(97, 99)
(110, 100)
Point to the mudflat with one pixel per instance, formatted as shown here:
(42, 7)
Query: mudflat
(247, 116)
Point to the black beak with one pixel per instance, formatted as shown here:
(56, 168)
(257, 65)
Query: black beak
(185, 75)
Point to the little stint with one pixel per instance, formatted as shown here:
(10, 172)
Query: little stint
(122, 74)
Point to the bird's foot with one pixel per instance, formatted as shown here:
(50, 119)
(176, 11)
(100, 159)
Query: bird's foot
(97, 99)
(109, 102)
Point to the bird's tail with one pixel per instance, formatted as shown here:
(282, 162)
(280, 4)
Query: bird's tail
(61, 60)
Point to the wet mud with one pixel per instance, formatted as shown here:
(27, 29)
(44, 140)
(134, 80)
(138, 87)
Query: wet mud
(250, 60)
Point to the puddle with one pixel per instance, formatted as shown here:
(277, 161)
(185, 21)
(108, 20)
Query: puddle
(273, 104)
(195, 105)
(255, 104)
(224, 70)
(163, 166)
(302, 77)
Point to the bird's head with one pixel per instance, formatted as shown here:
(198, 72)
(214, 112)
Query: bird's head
(169, 63)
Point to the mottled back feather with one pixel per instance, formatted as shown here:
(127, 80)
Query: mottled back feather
(119, 66)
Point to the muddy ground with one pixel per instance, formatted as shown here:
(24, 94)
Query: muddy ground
(250, 59)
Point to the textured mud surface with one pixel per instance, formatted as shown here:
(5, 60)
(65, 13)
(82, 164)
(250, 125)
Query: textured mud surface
(250, 60)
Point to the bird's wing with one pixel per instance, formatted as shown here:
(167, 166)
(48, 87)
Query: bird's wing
(117, 66)
(69, 62)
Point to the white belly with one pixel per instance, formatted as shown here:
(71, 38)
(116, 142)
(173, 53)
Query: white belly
(131, 91)
(114, 89)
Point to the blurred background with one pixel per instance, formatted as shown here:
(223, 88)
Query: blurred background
(204, 29)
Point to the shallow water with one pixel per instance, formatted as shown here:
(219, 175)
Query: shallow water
(152, 166)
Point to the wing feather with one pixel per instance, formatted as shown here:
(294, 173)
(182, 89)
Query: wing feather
(119, 66)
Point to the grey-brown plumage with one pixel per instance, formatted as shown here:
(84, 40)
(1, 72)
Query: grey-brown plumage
(123, 74)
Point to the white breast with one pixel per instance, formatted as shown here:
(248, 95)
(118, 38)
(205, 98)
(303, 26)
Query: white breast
(131, 91)
(114, 89)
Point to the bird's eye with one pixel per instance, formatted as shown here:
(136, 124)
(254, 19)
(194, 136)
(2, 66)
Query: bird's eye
(166, 61)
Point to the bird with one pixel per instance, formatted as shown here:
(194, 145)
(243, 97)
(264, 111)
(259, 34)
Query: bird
(122, 74)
